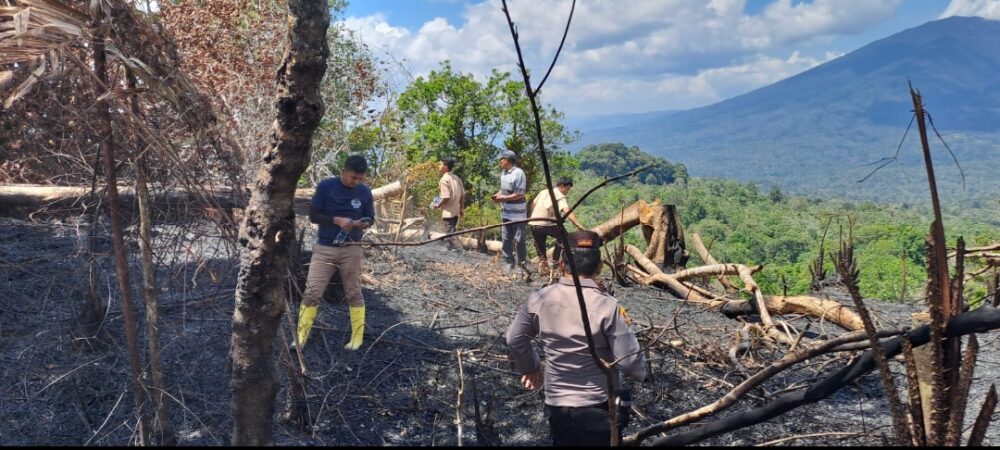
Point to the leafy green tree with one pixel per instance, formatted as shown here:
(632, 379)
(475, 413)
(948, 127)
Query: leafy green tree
(451, 113)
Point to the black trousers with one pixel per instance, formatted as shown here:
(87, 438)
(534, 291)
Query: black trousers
(539, 233)
(586, 426)
(450, 224)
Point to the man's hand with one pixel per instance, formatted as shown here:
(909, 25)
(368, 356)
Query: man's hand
(497, 198)
(532, 380)
(362, 224)
(344, 223)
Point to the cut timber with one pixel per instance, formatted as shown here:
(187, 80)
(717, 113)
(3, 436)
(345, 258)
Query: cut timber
(622, 222)
(713, 270)
(382, 192)
(467, 243)
(473, 244)
(15, 198)
(827, 310)
(390, 190)
(664, 237)
(823, 309)
(30, 196)
(708, 259)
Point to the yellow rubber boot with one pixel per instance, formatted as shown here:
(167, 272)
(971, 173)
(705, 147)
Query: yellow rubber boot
(306, 316)
(357, 327)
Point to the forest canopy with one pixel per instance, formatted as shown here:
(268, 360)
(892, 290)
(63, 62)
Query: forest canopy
(610, 159)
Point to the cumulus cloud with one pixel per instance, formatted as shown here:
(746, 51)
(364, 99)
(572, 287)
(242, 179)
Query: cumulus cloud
(632, 56)
(989, 9)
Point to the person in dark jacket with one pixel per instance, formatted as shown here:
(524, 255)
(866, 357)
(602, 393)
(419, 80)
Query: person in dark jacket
(343, 208)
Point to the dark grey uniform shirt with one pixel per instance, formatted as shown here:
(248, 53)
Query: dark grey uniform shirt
(553, 314)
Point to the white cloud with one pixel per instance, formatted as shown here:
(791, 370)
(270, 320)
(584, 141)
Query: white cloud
(989, 9)
(632, 56)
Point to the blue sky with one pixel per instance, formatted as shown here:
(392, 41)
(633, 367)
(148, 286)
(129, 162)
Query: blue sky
(641, 55)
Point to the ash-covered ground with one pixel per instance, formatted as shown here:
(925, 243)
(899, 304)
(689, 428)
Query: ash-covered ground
(427, 308)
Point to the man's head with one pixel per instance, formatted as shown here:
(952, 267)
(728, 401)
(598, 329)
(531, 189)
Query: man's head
(354, 171)
(446, 165)
(586, 248)
(564, 185)
(507, 159)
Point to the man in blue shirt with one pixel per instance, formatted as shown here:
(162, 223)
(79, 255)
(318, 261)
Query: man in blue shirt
(342, 207)
(513, 206)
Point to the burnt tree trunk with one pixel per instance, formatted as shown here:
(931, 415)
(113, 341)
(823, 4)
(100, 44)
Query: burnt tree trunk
(268, 230)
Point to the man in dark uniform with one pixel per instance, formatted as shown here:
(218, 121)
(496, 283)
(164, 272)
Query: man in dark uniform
(342, 207)
(576, 391)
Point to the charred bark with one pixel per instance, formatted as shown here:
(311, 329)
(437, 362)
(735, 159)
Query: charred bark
(268, 230)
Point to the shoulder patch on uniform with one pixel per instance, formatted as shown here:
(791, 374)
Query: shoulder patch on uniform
(628, 320)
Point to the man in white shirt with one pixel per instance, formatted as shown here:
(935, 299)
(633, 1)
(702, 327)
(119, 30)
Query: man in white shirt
(452, 199)
(540, 229)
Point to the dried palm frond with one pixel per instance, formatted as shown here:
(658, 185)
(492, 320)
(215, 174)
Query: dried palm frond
(38, 33)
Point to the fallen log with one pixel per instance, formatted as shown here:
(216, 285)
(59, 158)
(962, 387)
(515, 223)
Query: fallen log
(822, 309)
(16, 199)
(623, 221)
(469, 243)
(715, 269)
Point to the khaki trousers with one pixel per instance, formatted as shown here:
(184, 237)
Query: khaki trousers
(326, 261)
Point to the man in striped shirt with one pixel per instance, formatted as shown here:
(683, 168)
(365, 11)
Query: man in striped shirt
(513, 206)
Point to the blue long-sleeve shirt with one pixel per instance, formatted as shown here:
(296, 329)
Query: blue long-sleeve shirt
(333, 199)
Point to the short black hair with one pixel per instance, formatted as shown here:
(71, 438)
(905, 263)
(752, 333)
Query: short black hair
(564, 181)
(448, 162)
(356, 164)
(587, 261)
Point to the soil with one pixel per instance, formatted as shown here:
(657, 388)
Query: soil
(427, 307)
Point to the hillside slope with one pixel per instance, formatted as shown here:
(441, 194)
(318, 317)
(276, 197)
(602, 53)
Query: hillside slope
(813, 132)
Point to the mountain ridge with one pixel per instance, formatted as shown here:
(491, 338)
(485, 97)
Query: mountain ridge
(812, 132)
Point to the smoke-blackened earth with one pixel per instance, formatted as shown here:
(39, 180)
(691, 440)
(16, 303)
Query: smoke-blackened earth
(434, 336)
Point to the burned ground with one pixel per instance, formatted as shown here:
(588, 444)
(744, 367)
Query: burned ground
(427, 308)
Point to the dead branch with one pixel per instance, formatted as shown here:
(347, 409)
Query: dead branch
(848, 275)
(751, 383)
(960, 393)
(710, 260)
(917, 429)
(983, 419)
(978, 321)
(458, 397)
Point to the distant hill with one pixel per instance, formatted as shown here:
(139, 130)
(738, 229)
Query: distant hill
(608, 160)
(812, 132)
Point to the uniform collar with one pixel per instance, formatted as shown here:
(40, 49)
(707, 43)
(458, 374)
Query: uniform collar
(509, 170)
(584, 282)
